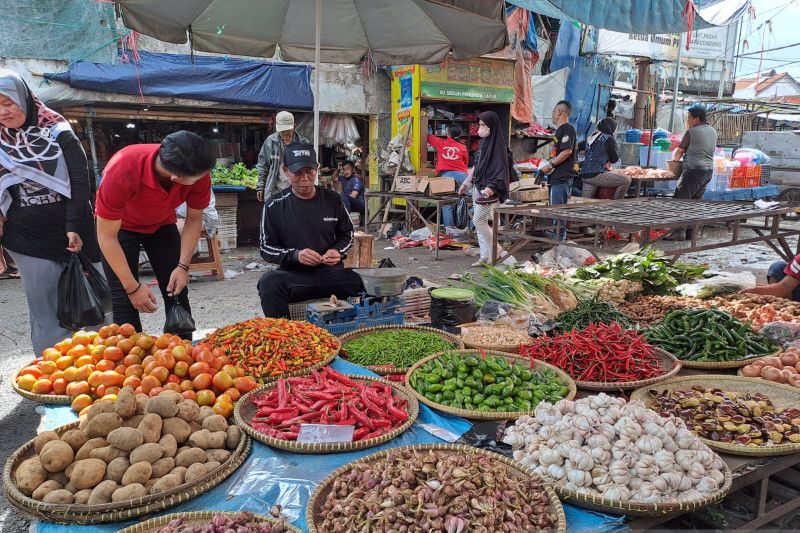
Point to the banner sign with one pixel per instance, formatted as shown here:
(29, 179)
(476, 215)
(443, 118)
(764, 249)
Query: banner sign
(481, 79)
(710, 43)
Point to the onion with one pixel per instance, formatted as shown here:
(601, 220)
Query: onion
(789, 359)
(786, 375)
(794, 380)
(773, 362)
(772, 374)
(751, 371)
(797, 366)
(791, 369)
(758, 363)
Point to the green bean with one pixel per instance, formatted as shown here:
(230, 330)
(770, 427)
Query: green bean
(401, 348)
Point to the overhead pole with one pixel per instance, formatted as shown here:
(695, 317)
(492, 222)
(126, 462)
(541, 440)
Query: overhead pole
(676, 84)
(317, 73)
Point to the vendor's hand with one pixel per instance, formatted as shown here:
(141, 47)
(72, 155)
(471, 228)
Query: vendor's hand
(332, 257)
(260, 196)
(74, 242)
(608, 165)
(309, 257)
(487, 191)
(547, 169)
(177, 281)
(143, 300)
(463, 189)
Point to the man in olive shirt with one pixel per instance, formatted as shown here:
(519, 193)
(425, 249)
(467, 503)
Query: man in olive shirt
(697, 150)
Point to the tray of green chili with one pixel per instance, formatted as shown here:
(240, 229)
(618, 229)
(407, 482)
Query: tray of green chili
(392, 350)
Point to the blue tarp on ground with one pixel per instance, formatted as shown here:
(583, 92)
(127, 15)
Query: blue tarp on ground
(585, 74)
(217, 79)
(271, 476)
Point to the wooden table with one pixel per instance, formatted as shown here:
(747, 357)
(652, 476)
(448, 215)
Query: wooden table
(413, 200)
(641, 216)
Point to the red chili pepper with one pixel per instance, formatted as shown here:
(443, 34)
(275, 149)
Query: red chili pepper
(601, 352)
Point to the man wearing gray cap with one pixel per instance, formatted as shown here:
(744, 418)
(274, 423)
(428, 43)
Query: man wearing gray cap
(271, 177)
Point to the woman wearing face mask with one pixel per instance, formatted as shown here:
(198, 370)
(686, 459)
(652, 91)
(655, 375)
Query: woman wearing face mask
(44, 201)
(491, 180)
(601, 153)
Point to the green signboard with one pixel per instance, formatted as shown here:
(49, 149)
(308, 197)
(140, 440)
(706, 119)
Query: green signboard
(454, 91)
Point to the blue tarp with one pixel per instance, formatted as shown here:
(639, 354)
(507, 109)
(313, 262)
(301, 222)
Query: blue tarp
(217, 79)
(271, 476)
(585, 74)
(639, 16)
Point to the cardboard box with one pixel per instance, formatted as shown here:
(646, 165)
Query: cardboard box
(434, 186)
(405, 184)
(528, 183)
(531, 195)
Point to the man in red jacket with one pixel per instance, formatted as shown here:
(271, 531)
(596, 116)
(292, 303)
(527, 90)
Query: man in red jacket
(452, 160)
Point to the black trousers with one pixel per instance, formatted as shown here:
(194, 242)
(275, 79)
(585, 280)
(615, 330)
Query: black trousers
(163, 248)
(692, 183)
(278, 288)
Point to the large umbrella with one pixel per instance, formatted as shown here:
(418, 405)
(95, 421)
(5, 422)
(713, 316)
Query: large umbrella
(385, 32)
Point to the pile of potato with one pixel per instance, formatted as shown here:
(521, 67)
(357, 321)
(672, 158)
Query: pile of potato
(126, 449)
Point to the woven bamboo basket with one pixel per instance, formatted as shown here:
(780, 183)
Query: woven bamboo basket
(197, 518)
(303, 371)
(58, 399)
(669, 363)
(516, 469)
(782, 396)
(387, 370)
(723, 365)
(629, 508)
(245, 410)
(489, 415)
(508, 348)
(119, 511)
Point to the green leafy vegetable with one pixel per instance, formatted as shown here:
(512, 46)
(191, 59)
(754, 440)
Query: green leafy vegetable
(238, 175)
(656, 272)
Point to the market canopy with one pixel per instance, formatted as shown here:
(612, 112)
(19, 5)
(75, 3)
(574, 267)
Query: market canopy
(389, 32)
(642, 16)
(218, 79)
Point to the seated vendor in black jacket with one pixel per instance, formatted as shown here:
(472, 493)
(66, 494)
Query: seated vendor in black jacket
(307, 231)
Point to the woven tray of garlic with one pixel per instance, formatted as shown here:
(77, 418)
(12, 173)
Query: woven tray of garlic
(609, 454)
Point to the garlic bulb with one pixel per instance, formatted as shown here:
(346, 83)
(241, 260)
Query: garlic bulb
(598, 441)
(555, 472)
(546, 432)
(696, 471)
(607, 430)
(581, 460)
(550, 456)
(706, 484)
(616, 492)
(580, 478)
(565, 406)
(620, 473)
(685, 438)
(600, 476)
(627, 427)
(705, 458)
(648, 493)
(649, 444)
(689, 495)
(646, 467)
(717, 476)
(564, 449)
(665, 461)
(600, 456)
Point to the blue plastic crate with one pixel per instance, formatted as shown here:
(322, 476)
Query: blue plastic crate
(346, 327)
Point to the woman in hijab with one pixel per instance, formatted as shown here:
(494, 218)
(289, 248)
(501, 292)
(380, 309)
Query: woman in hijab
(601, 153)
(491, 179)
(45, 212)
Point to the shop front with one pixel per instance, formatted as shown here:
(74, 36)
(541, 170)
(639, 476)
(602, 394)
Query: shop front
(454, 92)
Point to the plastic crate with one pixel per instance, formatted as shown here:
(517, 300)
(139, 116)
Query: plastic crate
(341, 328)
(745, 177)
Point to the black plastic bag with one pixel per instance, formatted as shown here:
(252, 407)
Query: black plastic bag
(179, 321)
(488, 436)
(447, 312)
(461, 217)
(84, 296)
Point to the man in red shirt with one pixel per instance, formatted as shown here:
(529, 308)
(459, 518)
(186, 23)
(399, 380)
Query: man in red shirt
(452, 161)
(783, 279)
(142, 186)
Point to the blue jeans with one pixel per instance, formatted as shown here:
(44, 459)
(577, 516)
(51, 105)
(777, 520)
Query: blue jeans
(559, 195)
(775, 274)
(353, 205)
(449, 211)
